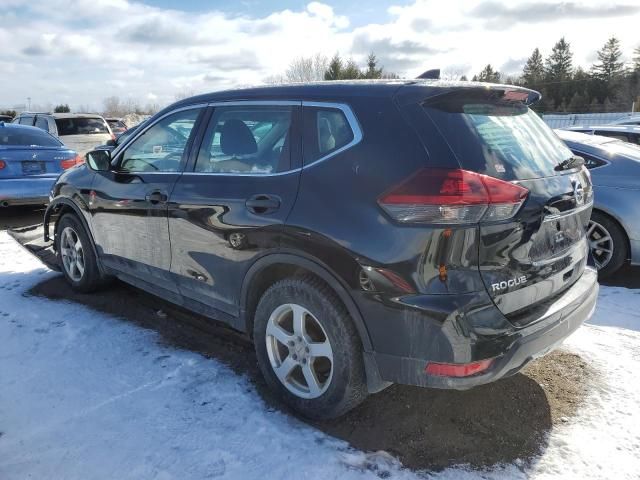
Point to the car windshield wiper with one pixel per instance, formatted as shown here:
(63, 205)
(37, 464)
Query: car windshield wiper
(572, 162)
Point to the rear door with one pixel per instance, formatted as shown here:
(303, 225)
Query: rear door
(541, 250)
(129, 205)
(229, 208)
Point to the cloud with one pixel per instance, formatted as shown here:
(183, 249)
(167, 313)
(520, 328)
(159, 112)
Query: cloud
(158, 31)
(513, 66)
(499, 14)
(240, 60)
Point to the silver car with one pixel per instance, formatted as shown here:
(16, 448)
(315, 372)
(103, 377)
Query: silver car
(626, 133)
(614, 229)
(81, 132)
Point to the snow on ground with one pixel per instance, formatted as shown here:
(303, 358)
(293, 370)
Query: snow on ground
(85, 395)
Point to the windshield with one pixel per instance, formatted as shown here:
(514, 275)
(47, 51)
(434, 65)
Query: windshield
(503, 139)
(27, 137)
(81, 126)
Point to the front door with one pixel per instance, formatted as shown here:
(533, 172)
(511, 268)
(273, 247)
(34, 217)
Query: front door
(228, 209)
(129, 205)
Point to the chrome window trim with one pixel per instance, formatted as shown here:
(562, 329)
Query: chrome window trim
(351, 119)
(257, 103)
(344, 108)
(241, 174)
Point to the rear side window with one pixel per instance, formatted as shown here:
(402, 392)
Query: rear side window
(41, 122)
(590, 161)
(496, 136)
(326, 131)
(247, 139)
(27, 138)
(26, 120)
(81, 126)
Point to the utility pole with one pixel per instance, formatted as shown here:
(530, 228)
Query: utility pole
(29, 102)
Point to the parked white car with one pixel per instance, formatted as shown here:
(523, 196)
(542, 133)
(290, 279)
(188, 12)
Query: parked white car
(78, 131)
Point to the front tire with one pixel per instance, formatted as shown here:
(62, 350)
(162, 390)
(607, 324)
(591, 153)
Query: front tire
(308, 349)
(75, 255)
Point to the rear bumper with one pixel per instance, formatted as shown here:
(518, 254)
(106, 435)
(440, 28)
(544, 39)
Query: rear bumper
(516, 348)
(26, 191)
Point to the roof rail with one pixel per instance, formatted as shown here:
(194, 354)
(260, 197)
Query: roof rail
(433, 74)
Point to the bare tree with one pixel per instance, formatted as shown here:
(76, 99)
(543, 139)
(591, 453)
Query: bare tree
(307, 69)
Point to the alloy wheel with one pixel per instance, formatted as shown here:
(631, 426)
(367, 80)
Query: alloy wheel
(72, 254)
(600, 243)
(299, 351)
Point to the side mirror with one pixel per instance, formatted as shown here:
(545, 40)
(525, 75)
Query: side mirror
(99, 160)
(111, 143)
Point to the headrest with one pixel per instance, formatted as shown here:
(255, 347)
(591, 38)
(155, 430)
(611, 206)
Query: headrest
(236, 138)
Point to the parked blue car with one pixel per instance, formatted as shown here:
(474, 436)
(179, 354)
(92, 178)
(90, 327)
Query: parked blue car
(614, 228)
(30, 162)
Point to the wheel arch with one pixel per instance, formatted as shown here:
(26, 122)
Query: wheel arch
(60, 207)
(271, 268)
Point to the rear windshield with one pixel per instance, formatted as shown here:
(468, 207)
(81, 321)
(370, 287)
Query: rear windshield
(27, 137)
(81, 126)
(496, 136)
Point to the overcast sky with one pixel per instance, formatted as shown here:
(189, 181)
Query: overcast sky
(81, 51)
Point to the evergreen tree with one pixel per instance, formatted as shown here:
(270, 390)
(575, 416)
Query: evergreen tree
(372, 67)
(463, 78)
(636, 59)
(62, 109)
(533, 72)
(351, 71)
(488, 74)
(609, 66)
(334, 72)
(558, 71)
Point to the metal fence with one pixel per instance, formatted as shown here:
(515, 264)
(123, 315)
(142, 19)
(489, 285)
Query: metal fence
(561, 120)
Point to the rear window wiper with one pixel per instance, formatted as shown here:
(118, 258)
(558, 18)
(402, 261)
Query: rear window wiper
(572, 162)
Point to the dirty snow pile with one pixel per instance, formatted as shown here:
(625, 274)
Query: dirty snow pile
(87, 396)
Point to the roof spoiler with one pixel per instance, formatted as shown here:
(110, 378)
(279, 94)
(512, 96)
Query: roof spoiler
(433, 74)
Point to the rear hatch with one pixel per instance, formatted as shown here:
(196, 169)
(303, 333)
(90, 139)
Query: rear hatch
(529, 259)
(83, 134)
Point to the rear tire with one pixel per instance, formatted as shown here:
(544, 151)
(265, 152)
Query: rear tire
(601, 227)
(321, 371)
(76, 256)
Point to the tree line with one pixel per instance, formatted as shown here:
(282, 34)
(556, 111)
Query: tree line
(609, 85)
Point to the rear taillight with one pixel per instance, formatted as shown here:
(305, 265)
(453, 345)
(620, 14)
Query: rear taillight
(3, 164)
(113, 137)
(452, 196)
(72, 162)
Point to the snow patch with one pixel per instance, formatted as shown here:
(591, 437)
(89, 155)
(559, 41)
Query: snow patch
(85, 395)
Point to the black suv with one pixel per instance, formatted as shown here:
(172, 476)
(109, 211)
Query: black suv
(362, 233)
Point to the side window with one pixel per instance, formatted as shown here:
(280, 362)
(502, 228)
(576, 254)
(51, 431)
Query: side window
(618, 136)
(590, 161)
(247, 139)
(162, 147)
(41, 122)
(26, 120)
(326, 130)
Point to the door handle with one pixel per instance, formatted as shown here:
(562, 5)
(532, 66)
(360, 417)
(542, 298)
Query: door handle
(262, 204)
(156, 197)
